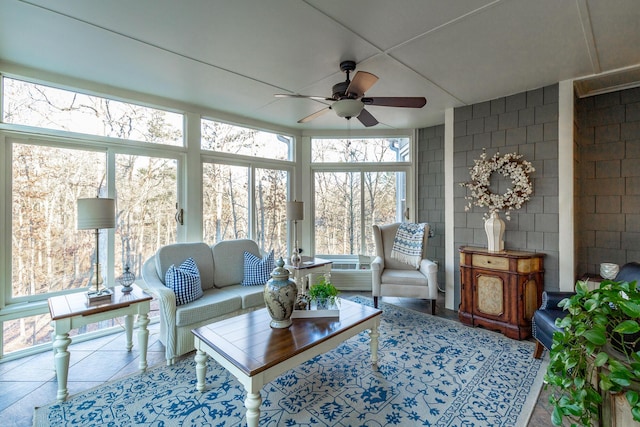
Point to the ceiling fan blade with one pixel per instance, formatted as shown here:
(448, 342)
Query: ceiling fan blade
(367, 119)
(396, 101)
(361, 82)
(291, 95)
(314, 115)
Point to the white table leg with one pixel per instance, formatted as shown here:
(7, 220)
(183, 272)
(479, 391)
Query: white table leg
(143, 339)
(128, 328)
(201, 369)
(61, 357)
(373, 334)
(252, 403)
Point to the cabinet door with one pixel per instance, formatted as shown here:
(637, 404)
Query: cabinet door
(490, 289)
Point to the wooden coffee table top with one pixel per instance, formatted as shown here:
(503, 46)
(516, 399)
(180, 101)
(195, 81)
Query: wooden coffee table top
(249, 343)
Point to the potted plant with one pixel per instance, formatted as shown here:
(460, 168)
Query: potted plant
(324, 294)
(597, 355)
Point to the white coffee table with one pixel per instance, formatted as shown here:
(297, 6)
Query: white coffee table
(256, 354)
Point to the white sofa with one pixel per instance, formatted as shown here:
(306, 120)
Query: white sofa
(221, 269)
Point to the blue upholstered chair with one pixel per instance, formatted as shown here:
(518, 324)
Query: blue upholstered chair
(543, 324)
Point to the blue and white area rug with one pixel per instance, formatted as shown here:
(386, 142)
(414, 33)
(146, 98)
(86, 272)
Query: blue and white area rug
(431, 372)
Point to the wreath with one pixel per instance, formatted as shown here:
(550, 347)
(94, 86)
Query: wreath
(512, 167)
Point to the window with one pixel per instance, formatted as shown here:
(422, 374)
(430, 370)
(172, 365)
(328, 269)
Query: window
(48, 253)
(51, 108)
(347, 204)
(247, 199)
(146, 195)
(227, 205)
(271, 210)
(362, 150)
(357, 183)
(225, 202)
(226, 138)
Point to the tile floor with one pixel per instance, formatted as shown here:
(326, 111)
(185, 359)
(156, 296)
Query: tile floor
(30, 381)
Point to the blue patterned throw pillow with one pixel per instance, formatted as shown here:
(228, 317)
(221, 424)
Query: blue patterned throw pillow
(184, 281)
(257, 271)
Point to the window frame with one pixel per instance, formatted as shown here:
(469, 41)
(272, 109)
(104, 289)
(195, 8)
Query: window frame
(110, 151)
(253, 163)
(408, 167)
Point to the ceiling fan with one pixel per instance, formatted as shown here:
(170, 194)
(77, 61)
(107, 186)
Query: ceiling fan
(349, 99)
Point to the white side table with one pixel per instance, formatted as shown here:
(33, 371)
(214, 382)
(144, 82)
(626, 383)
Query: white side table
(72, 311)
(307, 267)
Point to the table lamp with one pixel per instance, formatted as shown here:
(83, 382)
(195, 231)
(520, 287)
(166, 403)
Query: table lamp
(295, 213)
(96, 214)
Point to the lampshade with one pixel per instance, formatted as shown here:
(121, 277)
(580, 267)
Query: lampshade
(295, 211)
(347, 107)
(96, 213)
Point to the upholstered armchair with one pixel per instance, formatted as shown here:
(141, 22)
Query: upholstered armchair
(394, 278)
(543, 324)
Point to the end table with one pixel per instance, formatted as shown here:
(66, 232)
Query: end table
(73, 311)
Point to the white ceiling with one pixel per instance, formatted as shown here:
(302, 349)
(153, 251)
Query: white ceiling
(233, 56)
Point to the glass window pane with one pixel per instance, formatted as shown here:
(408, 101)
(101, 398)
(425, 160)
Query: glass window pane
(337, 213)
(26, 332)
(48, 252)
(225, 202)
(226, 138)
(146, 189)
(384, 195)
(363, 150)
(271, 207)
(47, 107)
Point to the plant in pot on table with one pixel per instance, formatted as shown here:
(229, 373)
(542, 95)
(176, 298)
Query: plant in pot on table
(324, 294)
(597, 355)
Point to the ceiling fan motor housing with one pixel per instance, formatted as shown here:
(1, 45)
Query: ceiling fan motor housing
(339, 90)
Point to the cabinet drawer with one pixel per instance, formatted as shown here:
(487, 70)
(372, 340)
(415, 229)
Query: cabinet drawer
(487, 261)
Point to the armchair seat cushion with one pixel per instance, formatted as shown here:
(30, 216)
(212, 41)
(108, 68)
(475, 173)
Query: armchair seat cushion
(403, 277)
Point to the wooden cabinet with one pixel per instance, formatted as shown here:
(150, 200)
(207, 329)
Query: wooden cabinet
(500, 290)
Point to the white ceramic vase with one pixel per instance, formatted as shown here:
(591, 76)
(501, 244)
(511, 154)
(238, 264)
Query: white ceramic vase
(494, 227)
(280, 294)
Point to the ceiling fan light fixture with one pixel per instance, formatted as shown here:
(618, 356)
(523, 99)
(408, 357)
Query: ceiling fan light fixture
(347, 107)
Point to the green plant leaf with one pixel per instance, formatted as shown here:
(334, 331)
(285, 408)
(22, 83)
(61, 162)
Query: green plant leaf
(581, 287)
(556, 416)
(591, 304)
(632, 397)
(595, 336)
(601, 359)
(605, 383)
(627, 327)
(630, 308)
(562, 323)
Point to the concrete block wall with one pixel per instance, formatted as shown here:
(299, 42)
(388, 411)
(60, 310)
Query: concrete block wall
(608, 206)
(431, 191)
(526, 123)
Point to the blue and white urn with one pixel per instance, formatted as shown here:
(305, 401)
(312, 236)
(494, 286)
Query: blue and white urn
(280, 294)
